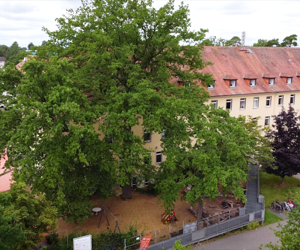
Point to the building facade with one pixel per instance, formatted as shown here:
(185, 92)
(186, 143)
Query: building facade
(256, 81)
(2, 62)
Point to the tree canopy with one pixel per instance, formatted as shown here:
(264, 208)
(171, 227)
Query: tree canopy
(288, 234)
(25, 217)
(289, 41)
(285, 141)
(234, 41)
(110, 67)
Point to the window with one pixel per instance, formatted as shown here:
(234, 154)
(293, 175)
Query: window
(158, 157)
(255, 102)
(271, 81)
(268, 101)
(252, 82)
(211, 86)
(147, 136)
(163, 134)
(289, 80)
(280, 100)
(109, 139)
(242, 103)
(232, 83)
(228, 104)
(215, 104)
(292, 99)
(267, 120)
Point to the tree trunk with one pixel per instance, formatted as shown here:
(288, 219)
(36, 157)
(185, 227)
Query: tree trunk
(200, 210)
(282, 180)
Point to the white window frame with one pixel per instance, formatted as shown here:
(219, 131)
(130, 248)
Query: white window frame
(252, 82)
(292, 99)
(267, 120)
(255, 99)
(280, 100)
(232, 83)
(271, 81)
(214, 103)
(211, 86)
(268, 99)
(289, 80)
(242, 103)
(149, 135)
(229, 101)
(161, 157)
(163, 134)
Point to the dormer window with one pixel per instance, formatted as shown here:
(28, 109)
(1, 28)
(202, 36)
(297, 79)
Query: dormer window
(211, 86)
(289, 80)
(232, 84)
(252, 82)
(271, 81)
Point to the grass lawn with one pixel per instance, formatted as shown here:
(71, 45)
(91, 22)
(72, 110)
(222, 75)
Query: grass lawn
(271, 188)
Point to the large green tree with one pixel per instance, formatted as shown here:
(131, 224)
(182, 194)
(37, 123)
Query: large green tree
(26, 216)
(114, 64)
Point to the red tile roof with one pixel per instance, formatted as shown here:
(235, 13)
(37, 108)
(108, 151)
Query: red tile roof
(258, 62)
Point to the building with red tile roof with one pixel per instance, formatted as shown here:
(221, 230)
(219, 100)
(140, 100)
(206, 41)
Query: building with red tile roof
(256, 81)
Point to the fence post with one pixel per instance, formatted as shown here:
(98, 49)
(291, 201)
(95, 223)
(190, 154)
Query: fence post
(155, 236)
(218, 217)
(124, 244)
(140, 238)
(169, 231)
(229, 214)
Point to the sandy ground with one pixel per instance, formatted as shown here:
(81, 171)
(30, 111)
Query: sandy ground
(142, 211)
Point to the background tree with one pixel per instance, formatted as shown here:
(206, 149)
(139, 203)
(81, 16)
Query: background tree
(3, 50)
(11, 233)
(31, 214)
(289, 41)
(285, 141)
(289, 234)
(214, 41)
(234, 41)
(30, 45)
(261, 151)
(43, 43)
(261, 43)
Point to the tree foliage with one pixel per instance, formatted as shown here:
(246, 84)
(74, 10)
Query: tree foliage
(117, 77)
(289, 234)
(11, 233)
(285, 141)
(113, 66)
(28, 216)
(214, 162)
(214, 41)
(289, 41)
(30, 45)
(234, 41)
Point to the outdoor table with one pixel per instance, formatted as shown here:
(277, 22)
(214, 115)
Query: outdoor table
(96, 210)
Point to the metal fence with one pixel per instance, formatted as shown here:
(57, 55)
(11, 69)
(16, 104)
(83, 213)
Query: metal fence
(212, 226)
(175, 230)
(210, 231)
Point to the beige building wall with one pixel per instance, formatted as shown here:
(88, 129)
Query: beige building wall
(262, 110)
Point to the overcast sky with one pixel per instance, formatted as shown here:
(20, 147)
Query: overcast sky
(22, 20)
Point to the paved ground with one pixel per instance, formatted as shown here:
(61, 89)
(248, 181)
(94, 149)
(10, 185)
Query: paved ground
(250, 240)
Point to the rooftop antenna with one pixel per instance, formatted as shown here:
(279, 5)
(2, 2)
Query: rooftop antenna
(243, 38)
